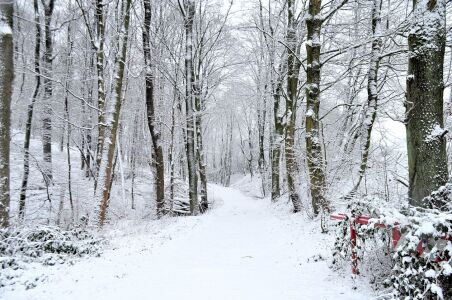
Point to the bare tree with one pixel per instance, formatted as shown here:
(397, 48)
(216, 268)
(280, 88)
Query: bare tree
(372, 91)
(29, 122)
(48, 91)
(6, 80)
(188, 12)
(106, 169)
(158, 163)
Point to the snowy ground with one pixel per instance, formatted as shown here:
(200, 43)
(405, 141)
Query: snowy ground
(242, 249)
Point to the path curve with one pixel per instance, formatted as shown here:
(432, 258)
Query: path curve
(241, 249)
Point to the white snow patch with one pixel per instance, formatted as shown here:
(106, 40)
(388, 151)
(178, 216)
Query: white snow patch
(436, 133)
(241, 249)
(5, 29)
(437, 290)
(430, 273)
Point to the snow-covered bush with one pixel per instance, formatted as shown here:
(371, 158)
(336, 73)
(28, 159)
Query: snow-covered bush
(423, 256)
(47, 245)
(423, 271)
(421, 262)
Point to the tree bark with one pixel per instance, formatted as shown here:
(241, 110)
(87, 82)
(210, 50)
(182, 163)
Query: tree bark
(67, 119)
(293, 69)
(30, 110)
(6, 81)
(427, 160)
(171, 148)
(278, 136)
(372, 92)
(189, 14)
(204, 204)
(313, 147)
(98, 45)
(106, 168)
(199, 107)
(159, 172)
(89, 158)
(48, 92)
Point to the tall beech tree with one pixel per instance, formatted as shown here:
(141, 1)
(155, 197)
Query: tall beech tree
(6, 81)
(48, 91)
(313, 145)
(427, 159)
(314, 154)
(188, 13)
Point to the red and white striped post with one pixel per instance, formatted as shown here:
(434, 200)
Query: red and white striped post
(363, 220)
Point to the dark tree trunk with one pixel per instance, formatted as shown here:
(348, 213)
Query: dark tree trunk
(158, 164)
(313, 147)
(6, 81)
(293, 69)
(427, 160)
(37, 62)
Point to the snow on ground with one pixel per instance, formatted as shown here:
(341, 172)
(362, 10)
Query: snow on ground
(41, 211)
(241, 249)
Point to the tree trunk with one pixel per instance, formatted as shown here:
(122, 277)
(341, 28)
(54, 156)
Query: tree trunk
(427, 160)
(262, 119)
(88, 152)
(313, 147)
(189, 14)
(262, 113)
(98, 45)
(67, 119)
(226, 155)
(48, 91)
(159, 172)
(37, 62)
(204, 204)
(293, 70)
(372, 92)
(278, 138)
(171, 148)
(6, 80)
(229, 153)
(106, 168)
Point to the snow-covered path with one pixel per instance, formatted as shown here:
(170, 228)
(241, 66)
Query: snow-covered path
(239, 250)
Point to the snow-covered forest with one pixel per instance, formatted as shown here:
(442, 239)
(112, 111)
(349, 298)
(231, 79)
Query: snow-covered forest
(225, 149)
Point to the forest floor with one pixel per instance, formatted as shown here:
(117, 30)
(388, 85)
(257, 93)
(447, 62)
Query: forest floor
(241, 249)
